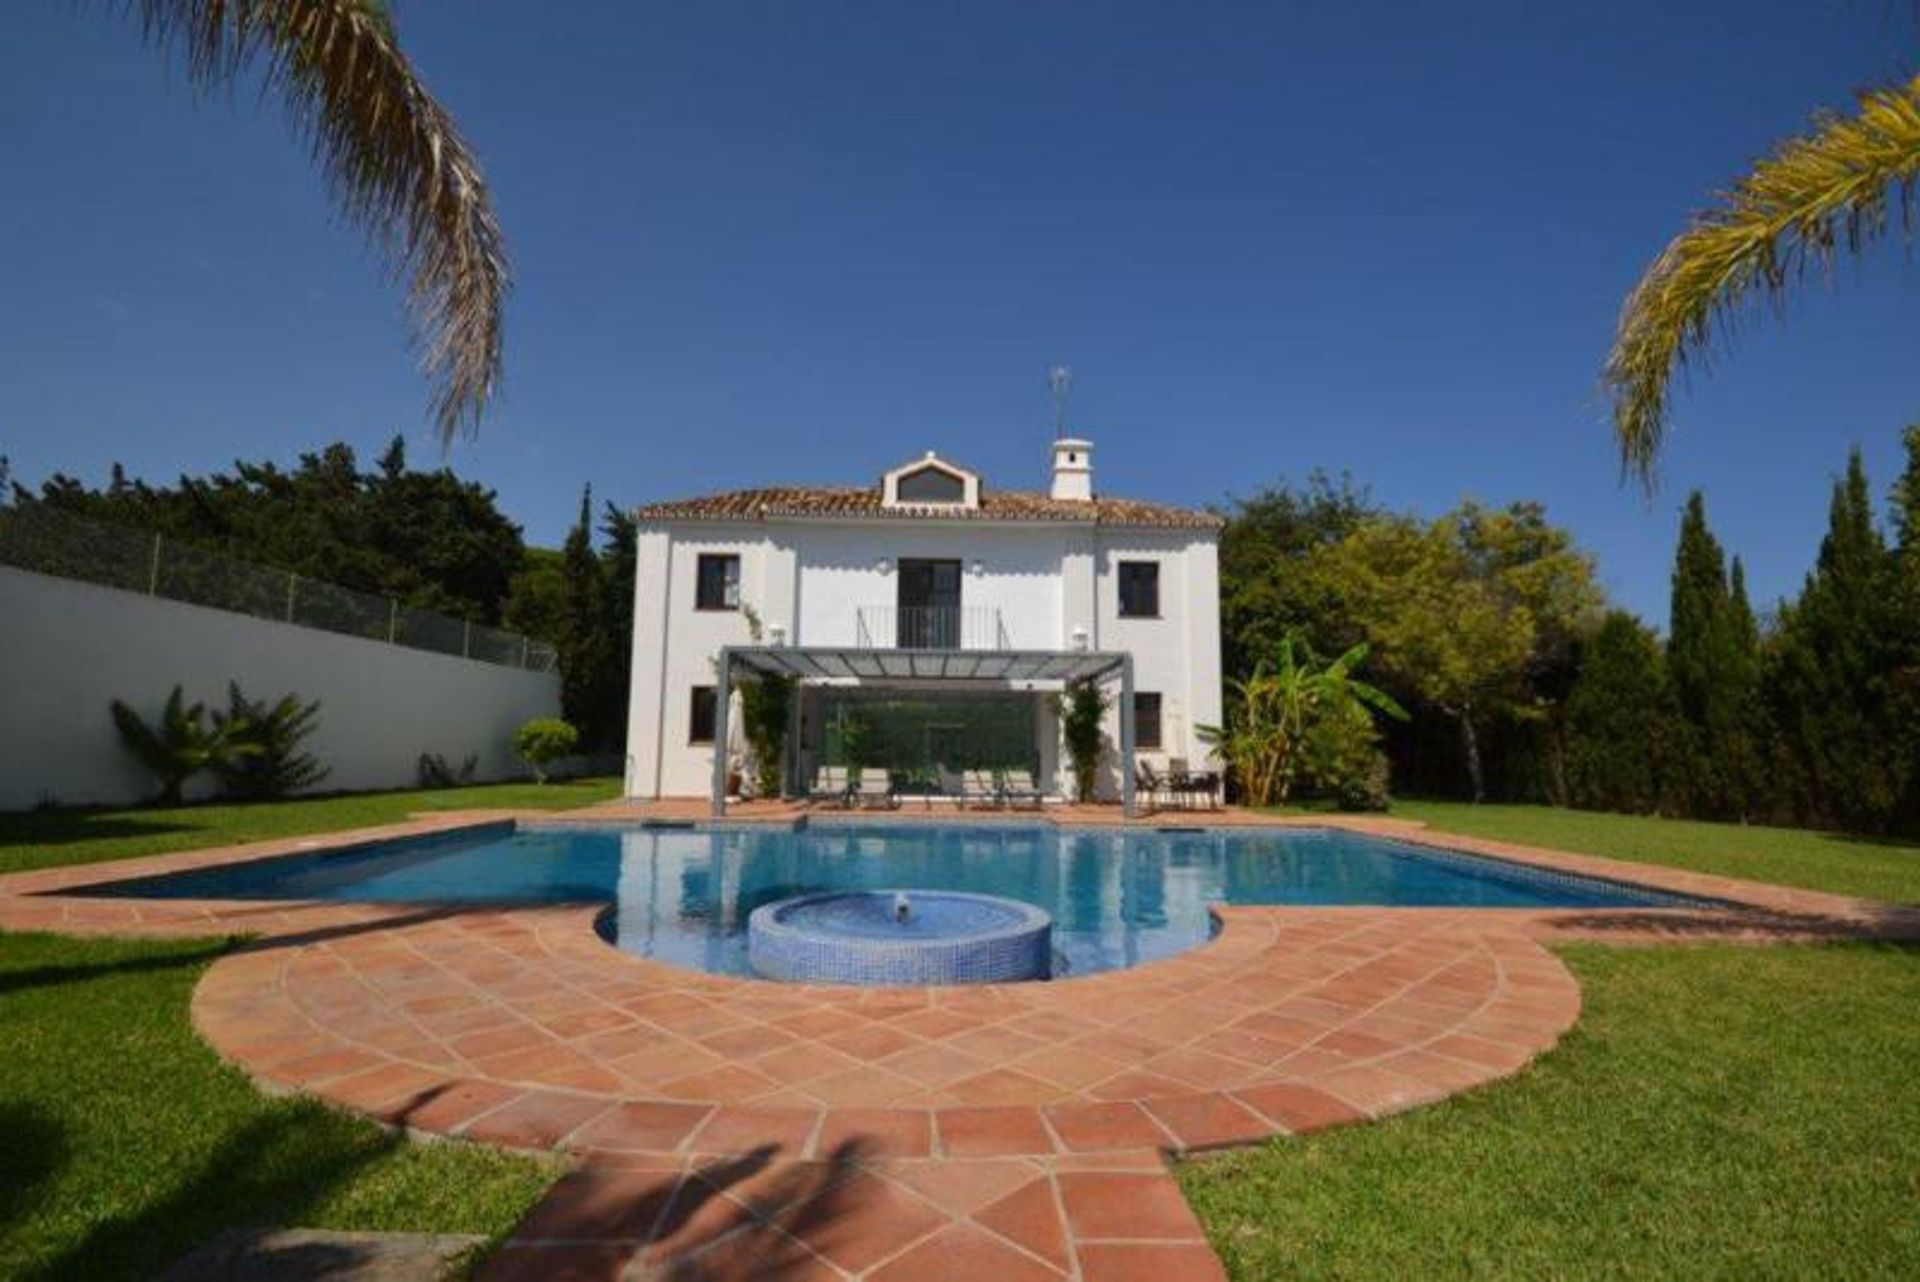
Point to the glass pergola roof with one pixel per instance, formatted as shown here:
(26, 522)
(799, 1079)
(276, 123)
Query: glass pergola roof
(834, 663)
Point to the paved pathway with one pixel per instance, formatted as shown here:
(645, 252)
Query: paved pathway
(727, 1128)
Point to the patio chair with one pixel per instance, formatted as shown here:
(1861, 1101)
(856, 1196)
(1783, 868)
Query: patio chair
(830, 786)
(1149, 785)
(873, 790)
(1194, 783)
(1018, 788)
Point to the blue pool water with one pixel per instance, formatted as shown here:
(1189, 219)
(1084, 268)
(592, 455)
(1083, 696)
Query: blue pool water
(1118, 898)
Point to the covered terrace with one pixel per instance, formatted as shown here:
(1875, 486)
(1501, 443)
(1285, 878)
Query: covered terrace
(917, 670)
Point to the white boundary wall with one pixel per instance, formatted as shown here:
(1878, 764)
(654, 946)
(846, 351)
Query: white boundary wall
(68, 649)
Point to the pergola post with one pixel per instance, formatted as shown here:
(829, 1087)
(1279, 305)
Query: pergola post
(1126, 736)
(723, 695)
(790, 771)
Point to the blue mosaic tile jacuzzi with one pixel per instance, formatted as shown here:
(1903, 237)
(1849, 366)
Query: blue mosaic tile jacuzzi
(900, 936)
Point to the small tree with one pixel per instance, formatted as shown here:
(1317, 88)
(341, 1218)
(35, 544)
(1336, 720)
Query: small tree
(1081, 708)
(180, 746)
(543, 741)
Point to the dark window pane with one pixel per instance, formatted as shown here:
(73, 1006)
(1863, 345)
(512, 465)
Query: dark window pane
(1139, 589)
(930, 485)
(929, 599)
(700, 722)
(719, 586)
(1146, 720)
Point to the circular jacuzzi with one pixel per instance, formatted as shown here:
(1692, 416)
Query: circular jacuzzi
(899, 937)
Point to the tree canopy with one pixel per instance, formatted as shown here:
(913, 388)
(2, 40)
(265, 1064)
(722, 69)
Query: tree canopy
(428, 538)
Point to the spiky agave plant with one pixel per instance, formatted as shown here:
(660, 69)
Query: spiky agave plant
(1838, 187)
(397, 166)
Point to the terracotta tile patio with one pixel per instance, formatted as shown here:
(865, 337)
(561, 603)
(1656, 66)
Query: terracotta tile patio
(730, 1128)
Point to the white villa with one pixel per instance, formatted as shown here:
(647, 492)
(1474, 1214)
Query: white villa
(926, 618)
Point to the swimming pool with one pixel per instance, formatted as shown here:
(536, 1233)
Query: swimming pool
(1118, 897)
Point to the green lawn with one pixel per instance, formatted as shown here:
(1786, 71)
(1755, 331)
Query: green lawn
(1719, 1111)
(48, 838)
(1787, 856)
(124, 1141)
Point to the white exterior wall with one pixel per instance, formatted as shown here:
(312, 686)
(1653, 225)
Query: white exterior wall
(68, 649)
(811, 579)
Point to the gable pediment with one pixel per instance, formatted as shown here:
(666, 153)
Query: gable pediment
(930, 482)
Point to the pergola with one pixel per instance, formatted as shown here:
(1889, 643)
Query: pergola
(857, 666)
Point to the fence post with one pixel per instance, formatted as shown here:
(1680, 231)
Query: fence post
(292, 579)
(526, 646)
(393, 618)
(153, 569)
(466, 639)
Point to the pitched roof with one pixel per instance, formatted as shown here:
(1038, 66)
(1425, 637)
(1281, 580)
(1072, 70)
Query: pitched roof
(865, 504)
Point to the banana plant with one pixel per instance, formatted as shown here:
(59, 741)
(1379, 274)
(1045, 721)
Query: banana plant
(1271, 711)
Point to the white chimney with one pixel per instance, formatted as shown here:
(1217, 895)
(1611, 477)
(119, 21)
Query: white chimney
(1073, 470)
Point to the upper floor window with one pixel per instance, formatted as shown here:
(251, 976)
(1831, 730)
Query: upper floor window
(719, 582)
(1139, 589)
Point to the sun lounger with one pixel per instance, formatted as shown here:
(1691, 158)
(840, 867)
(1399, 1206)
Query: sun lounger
(959, 786)
(1017, 788)
(980, 788)
(830, 786)
(873, 790)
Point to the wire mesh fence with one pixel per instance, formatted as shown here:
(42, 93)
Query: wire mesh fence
(48, 541)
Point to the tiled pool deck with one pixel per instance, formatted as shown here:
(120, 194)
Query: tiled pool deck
(729, 1128)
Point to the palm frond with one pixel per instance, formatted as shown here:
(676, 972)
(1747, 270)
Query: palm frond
(397, 166)
(1835, 188)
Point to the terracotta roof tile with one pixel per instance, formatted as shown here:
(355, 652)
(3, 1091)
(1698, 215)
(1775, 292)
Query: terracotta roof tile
(864, 503)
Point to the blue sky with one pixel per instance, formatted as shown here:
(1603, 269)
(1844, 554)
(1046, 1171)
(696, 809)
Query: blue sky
(773, 243)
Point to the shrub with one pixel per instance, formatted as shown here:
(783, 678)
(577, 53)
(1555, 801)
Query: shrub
(275, 766)
(181, 746)
(1341, 760)
(432, 771)
(764, 705)
(543, 741)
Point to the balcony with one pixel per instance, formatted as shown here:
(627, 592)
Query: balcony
(930, 627)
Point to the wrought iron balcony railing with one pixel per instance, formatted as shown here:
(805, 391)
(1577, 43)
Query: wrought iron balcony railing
(930, 627)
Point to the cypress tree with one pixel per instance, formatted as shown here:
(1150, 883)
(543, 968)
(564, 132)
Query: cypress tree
(586, 647)
(1903, 693)
(618, 564)
(1834, 675)
(1621, 726)
(1712, 664)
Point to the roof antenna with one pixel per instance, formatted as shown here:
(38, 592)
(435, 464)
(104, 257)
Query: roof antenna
(1060, 379)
